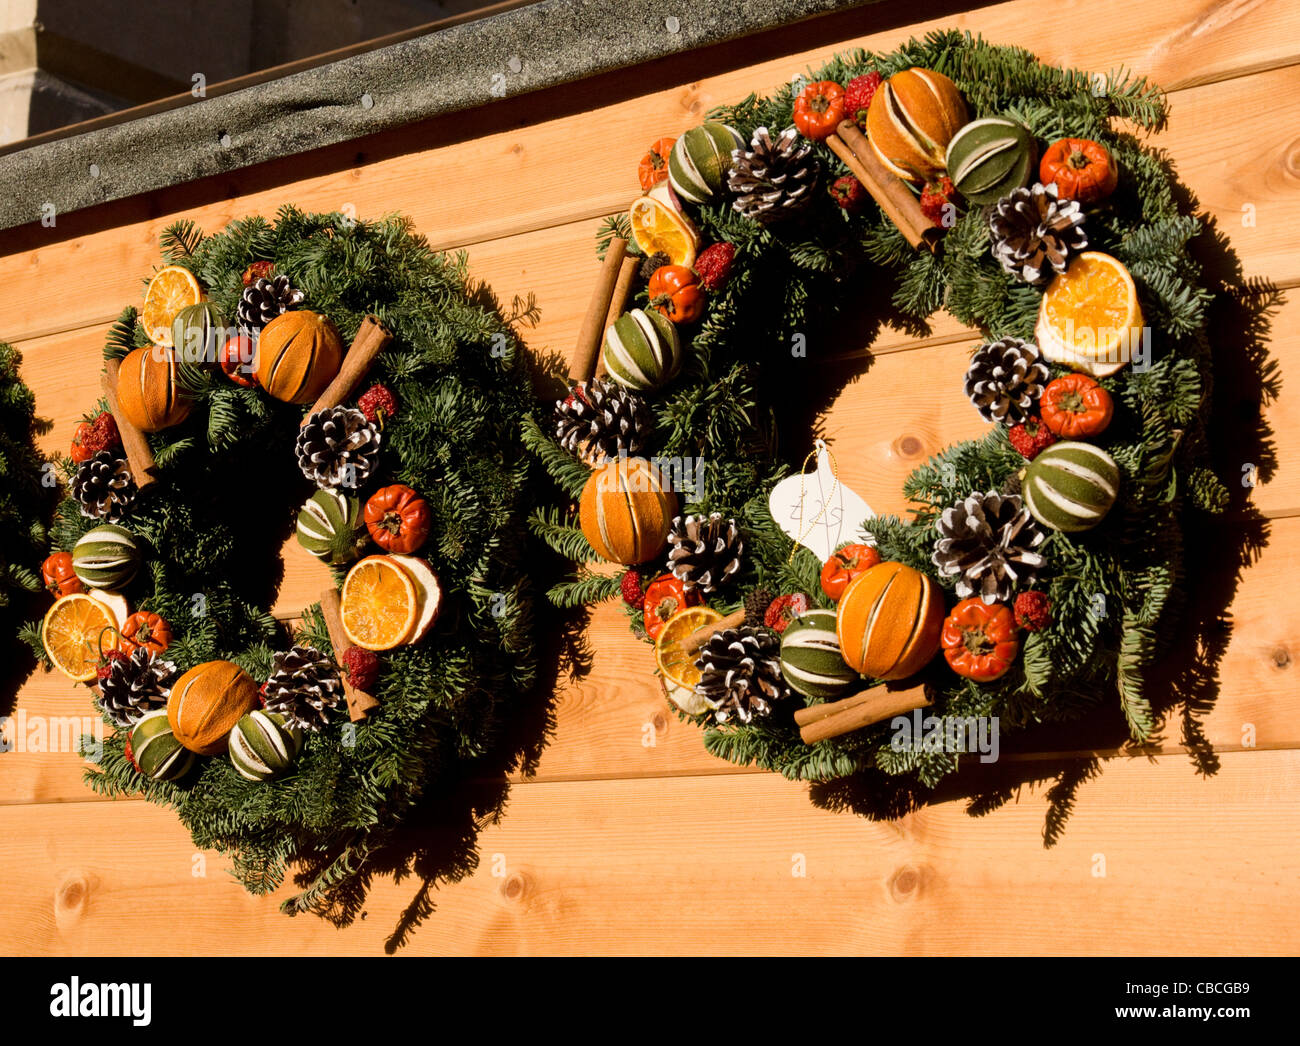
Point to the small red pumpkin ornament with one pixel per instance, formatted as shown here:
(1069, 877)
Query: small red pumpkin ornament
(237, 356)
(144, 630)
(664, 597)
(59, 577)
(980, 640)
(819, 109)
(1076, 406)
(1082, 169)
(844, 565)
(80, 445)
(398, 519)
(653, 167)
(675, 291)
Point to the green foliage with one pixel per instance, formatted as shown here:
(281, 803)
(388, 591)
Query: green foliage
(27, 494)
(226, 498)
(1115, 589)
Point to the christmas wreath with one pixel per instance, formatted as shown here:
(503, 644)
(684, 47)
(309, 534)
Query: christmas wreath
(26, 498)
(235, 415)
(1041, 569)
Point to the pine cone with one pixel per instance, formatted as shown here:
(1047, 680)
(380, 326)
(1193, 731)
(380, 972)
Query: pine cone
(135, 685)
(1005, 380)
(304, 687)
(263, 300)
(602, 420)
(987, 542)
(740, 673)
(104, 487)
(1035, 234)
(757, 601)
(338, 448)
(655, 261)
(774, 178)
(704, 553)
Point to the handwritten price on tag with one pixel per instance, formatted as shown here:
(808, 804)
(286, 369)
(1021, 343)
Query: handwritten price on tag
(816, 510)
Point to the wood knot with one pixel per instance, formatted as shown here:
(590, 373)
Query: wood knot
(515, 886)
(909, 447)
(517, 149)
(1292, 160)
(659, 722)
(71, 899)
(905, 884)
(1281, 658)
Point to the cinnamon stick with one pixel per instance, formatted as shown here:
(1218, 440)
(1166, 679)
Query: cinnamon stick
(812, 713)
(692, 643)
(360, 703)
(853, 713)
(371, 338)
(622, 290)
(592, 332)
(138, 455)
(888, 190)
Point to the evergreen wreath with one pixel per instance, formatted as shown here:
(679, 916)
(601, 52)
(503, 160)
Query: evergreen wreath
(226, 497)
(843, 260)
(27, 494)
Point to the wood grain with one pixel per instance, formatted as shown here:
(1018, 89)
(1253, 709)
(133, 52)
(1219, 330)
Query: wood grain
(1198, 866)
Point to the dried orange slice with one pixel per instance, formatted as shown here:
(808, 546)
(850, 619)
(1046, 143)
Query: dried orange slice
(379, 604)
(170, 290)
(677, 667)
(1090, 318)
(658, 227)
(71, 634)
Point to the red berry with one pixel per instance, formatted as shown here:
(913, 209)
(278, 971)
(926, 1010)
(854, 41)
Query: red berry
(105, 663)
(378, 403)
(129, 752)
(1033, 611)
(259, 270)
(713, 266)
(849, 193)
(937, 203)
(1031, 436)
(361, 666)
(784, 609)
(103, 435)
(858, 95)
(633, 593)
(578, 392)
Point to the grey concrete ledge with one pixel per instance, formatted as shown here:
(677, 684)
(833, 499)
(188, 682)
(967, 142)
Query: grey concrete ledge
(457, 68)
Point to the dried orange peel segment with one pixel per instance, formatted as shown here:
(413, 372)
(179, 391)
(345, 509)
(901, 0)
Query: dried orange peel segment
(1090, 318)
(676, 665)
(170, 290)
(72, 632)
(657, 228)
(378, 604)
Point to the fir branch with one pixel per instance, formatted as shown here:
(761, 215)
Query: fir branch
(180, 241)
(569, 474)
(615, 226)
(584, 590)
(124, 335)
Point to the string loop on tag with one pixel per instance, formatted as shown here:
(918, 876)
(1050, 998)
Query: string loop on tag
(819, 446)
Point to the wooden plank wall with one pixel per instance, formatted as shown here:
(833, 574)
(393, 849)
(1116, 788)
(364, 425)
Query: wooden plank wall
(630, 838)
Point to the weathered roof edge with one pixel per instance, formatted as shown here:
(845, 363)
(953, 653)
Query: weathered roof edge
(460, 67)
